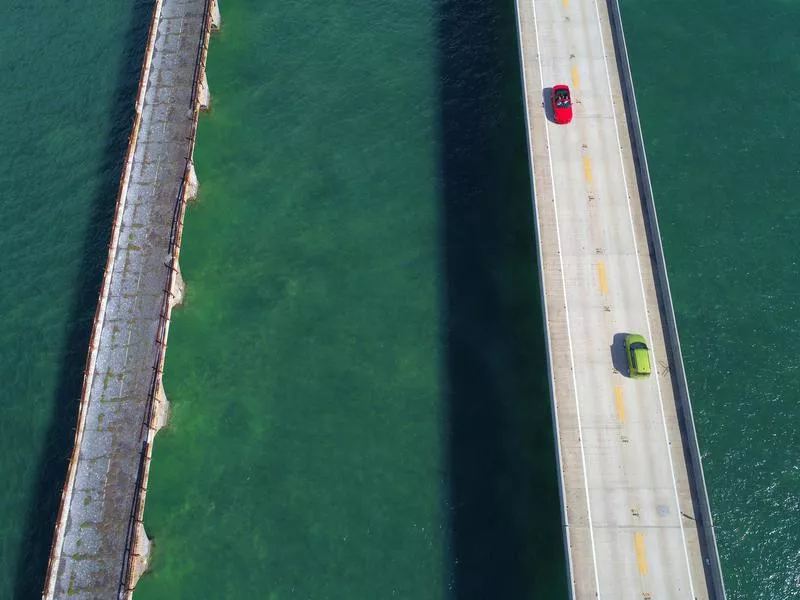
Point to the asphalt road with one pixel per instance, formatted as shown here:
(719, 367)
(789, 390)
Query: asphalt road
(627, 501)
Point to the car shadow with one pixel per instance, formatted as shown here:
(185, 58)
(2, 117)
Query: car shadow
(547, 94)
(618, 358)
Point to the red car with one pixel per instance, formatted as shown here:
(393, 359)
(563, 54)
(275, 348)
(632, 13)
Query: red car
(562, 104)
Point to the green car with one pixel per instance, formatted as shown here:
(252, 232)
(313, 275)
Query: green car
(638, 356)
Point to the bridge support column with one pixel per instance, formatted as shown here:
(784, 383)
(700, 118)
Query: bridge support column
(141, 555)
(178, 287)
(216, 19)
(160, 407)
(192, 185)
(203, 94)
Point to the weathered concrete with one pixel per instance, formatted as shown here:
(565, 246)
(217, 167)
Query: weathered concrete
(637, 521)
(100, 548)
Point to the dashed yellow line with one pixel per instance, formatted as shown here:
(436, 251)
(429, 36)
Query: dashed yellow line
(565, 3)
(576, 81)
(620, 404)
(587, 169)
(638, 539)
(601, 277)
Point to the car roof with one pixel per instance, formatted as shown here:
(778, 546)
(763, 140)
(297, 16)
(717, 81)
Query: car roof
(642, 360)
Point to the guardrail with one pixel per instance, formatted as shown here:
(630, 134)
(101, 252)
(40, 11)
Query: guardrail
(705, 524)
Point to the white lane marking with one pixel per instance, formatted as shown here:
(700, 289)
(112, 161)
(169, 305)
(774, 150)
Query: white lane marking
(544, 299)
(566, 315)
(644, 297)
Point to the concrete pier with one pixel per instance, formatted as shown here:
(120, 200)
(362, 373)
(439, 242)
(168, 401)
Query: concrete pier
(634, 506)
(100, 548)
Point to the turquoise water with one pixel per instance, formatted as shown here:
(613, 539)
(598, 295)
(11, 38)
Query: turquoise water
(359, 405)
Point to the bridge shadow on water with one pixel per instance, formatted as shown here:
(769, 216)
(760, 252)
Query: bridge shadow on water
(52, 468)
(505, 523)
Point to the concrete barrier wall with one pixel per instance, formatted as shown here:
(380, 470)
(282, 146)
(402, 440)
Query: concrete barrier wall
(705, 523)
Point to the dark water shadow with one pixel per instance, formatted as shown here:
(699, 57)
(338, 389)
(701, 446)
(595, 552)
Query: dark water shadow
(504, 509)
(617, 350)
(52, 467)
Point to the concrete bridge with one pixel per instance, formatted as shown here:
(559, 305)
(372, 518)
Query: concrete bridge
(100, 548)
(634, 505)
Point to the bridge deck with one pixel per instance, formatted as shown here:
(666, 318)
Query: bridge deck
(93, 536)
(631, 525)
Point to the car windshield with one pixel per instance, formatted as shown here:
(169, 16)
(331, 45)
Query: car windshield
(562, 98)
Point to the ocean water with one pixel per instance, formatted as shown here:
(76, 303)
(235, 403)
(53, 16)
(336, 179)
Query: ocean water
(359, 402)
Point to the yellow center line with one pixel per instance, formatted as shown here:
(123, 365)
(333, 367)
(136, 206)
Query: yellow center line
(565, 3)
(601, 277)
(587, 169)
(575, 79)
(638, 539)
(620, 404)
